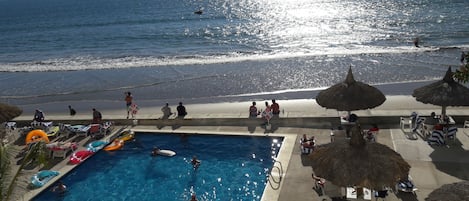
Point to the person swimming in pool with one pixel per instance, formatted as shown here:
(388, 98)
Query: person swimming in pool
(155, 151)
(59, 188)
(195, 162)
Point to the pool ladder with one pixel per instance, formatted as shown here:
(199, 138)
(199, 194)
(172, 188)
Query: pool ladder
(275, 179)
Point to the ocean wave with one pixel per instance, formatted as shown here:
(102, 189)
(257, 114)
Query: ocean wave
(99, 63)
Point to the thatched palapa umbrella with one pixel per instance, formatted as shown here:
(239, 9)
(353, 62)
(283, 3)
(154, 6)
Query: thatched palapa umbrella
(357, 163)
(446, 92)
(8, 112)
(350, 95)
(450, 192)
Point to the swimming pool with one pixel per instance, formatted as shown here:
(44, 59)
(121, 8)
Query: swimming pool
(232, 168)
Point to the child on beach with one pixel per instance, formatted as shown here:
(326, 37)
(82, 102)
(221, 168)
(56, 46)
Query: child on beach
(267, 113)
(134, 110)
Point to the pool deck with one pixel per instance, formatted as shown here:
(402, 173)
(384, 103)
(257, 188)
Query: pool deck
(431, 166)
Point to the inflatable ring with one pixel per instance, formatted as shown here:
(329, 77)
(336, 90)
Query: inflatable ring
(36, 135)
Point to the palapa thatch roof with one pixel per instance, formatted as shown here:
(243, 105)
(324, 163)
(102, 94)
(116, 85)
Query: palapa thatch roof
(357, 163)
(350, 95)
(8, 112)
(445, 92)
(450, 192)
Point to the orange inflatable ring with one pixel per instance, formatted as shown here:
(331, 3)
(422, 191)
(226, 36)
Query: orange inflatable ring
(36, 135)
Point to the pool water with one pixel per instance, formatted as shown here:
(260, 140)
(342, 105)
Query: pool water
(232, 168)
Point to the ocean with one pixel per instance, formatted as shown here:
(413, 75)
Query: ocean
(62, 51)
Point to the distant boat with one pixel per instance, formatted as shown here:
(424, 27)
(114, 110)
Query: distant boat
(198, 12)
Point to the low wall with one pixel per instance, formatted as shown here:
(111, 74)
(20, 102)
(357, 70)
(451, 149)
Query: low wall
(303, 122)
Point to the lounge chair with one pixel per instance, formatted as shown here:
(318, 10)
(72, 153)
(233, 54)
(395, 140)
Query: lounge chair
(418, 123)
(406, 186)
(80, 130)
(65, 130)
(96, 131)
(381, 194)
(60, 149)
(9, 128)
(451, 134)
(11, 125)
(436, 138)
(41, 125)
(107, 126)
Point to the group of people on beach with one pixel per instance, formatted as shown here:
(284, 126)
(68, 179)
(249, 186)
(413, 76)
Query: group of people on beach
(181, 111)
(270, 111)
(39, 115)
(132, 108)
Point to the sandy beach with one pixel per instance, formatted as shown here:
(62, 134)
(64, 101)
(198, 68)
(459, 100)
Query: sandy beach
(217, 105)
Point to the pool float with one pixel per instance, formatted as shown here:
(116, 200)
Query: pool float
(53, 131)
(115, 145)
(80, 156)
(126, 135)
(166, 152)
(42, 177)
(36, 135)
(96, 145)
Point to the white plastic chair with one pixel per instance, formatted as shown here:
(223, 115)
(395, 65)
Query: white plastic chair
(406, 122)
(466, 124)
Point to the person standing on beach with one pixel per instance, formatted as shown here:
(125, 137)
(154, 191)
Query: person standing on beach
(128, 102)
(416, 42)
(72, 111)
(275, 108)
(181, 110)
(97, 117)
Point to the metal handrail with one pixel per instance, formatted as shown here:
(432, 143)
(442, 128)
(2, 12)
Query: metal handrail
(280, 171)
